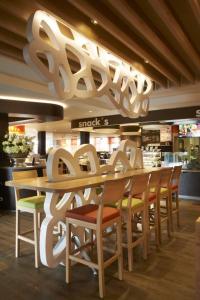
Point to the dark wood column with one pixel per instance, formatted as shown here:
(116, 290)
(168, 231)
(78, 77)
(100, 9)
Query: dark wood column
(84, 137)
(42, 143)
(4, 161)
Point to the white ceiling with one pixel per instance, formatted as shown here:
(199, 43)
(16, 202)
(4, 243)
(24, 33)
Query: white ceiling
(18, 80)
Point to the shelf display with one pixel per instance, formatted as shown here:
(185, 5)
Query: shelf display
(152, 157)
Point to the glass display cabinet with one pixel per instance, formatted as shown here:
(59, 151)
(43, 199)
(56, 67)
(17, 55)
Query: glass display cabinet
(190, 160)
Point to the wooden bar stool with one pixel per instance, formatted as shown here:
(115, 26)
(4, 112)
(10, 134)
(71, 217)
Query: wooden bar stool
(133, 207)
(153, 203)
(164, 203)
(97, 218)
(33, 205)
(174, 187)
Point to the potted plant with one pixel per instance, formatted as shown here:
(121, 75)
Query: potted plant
(17, 147)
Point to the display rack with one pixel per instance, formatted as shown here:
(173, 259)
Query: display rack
(152, 158)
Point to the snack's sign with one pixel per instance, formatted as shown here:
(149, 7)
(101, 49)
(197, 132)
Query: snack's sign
(198, 113)
(155, 115)
(94, 122)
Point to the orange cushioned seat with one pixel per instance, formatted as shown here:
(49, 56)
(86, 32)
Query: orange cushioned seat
(88, 213)
(152, 196)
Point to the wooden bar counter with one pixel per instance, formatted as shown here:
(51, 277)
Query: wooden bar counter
(59, 198)
(71, 185)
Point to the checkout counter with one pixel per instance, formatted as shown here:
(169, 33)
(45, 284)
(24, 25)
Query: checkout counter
(190, 177)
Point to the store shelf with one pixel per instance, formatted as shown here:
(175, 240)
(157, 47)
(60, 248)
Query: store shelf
(151, 158)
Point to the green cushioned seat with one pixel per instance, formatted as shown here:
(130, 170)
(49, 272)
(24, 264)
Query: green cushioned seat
(99, 190)
(32, 202)
(163, 190)
(136, 202)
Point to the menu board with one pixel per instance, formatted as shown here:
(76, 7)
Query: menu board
(189, 130)
(165, 134)
(150, 136)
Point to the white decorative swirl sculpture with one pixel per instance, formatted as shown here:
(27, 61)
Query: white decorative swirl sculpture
(55, 205)
(124, 86)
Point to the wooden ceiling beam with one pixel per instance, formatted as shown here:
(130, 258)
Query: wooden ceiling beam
(162, 10)
(13, 38)
(195, 7)
(82, 24)
(12, 23)
(11, 51)
(140, 25)
(114, 30)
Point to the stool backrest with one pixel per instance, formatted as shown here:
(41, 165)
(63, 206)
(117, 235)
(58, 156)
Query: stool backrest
(154, 181)
(139, 184)
(23, 175)
(176, 173)
(112, 194)
(166, 177)
(113, 191)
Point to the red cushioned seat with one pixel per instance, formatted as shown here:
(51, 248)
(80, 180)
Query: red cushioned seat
(152, 196)
(88, 213)
(174, 186)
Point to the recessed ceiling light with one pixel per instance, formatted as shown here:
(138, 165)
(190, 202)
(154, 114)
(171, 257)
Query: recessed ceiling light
(90, 111)
(146, 61)
(93, 21)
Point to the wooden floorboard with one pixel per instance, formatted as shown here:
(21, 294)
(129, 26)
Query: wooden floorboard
(169, 273)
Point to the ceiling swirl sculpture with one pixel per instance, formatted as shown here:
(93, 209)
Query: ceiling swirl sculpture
(76, 67)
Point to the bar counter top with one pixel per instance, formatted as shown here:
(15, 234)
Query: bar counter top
(190, 170)
(73, 184)
(24, 168)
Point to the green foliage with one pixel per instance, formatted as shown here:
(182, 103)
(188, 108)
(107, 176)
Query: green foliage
(14, 144)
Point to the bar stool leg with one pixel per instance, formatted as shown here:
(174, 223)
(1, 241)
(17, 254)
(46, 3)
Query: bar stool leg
(156, 224)
(119, 249)
(148, 231)
(17, 241)
(171, 211)
(159, 222)
(168, 216)
(36, 238)
(39, 220)
(129, 241)
(92, 241)
(68, 251)
(177, 210)
(144, 232)
(100, 262)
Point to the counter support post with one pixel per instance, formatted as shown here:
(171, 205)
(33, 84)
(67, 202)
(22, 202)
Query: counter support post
(84, 137)
(4, 161)
(42, 143)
